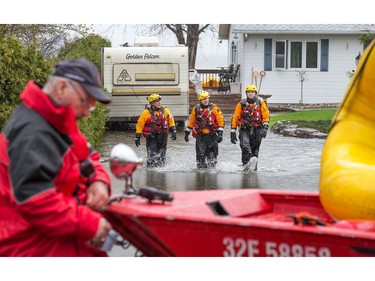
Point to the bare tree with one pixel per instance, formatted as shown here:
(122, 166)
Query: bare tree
(47, 38)
(186, 34)
(301, 78)
(178, 30)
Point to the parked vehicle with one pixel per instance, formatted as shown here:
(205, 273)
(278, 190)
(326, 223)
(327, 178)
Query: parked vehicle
(130, 74)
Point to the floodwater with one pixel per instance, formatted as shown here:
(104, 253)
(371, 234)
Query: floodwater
(285, 163)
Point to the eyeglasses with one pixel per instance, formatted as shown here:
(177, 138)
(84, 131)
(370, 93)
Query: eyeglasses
(84, 100)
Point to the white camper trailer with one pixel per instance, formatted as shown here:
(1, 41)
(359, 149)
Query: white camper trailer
(131, 74)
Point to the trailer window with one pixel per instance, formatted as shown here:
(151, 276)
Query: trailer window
(139, 74)
(155, 77)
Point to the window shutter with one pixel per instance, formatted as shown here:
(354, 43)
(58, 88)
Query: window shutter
(324, 55)
(268, 54)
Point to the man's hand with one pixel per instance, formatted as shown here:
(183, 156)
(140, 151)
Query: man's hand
(137, 139)
(187, 133)
(219, 136)
(174, 135)
(97, 195)
(233, 137)
(101, 233)
(263, 131)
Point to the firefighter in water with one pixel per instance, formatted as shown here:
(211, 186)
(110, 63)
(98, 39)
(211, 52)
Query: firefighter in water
(251, 117)
(154, 124)
(206, 123)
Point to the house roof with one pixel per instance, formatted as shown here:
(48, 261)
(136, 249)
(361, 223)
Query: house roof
(224, 29)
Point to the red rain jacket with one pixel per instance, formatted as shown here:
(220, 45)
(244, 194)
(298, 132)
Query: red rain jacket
(42, 192)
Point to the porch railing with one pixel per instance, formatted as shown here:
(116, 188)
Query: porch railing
(209, 78)
(218, 79)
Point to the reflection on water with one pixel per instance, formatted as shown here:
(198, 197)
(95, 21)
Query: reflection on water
(284, 163)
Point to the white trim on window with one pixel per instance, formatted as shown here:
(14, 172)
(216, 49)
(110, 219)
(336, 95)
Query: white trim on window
(293, 54)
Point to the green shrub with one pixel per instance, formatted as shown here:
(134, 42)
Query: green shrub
(18, 65)
(94, 126)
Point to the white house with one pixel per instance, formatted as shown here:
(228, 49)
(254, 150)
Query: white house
(303, 63)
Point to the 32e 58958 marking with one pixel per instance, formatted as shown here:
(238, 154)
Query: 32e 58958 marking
(240, 247)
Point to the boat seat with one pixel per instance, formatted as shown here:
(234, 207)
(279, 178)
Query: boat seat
(240, 206)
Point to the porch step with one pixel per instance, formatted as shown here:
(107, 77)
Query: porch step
(226, 102)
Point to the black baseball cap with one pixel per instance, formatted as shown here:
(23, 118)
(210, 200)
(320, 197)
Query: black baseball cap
(85, 73)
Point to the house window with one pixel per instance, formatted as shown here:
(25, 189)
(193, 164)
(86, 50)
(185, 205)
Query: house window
(311, 54)
(280, 54)
(303, 54)
(296, 54)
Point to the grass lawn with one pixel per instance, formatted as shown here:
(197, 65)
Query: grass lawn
(319, 119)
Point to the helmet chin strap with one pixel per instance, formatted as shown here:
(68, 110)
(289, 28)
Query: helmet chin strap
(203, 105)
(252, 100)
(155, 108)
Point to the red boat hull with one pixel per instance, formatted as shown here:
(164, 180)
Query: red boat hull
(241, 223)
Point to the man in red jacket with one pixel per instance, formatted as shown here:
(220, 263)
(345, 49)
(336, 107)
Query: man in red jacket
(52, 184)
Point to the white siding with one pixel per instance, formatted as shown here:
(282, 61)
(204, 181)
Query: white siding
(284, 86)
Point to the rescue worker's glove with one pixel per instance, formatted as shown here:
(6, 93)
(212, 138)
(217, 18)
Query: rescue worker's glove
(263, 131)
(137, 139)
(187, 133)
(174, 133)
(233, 137)
(219, 136)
